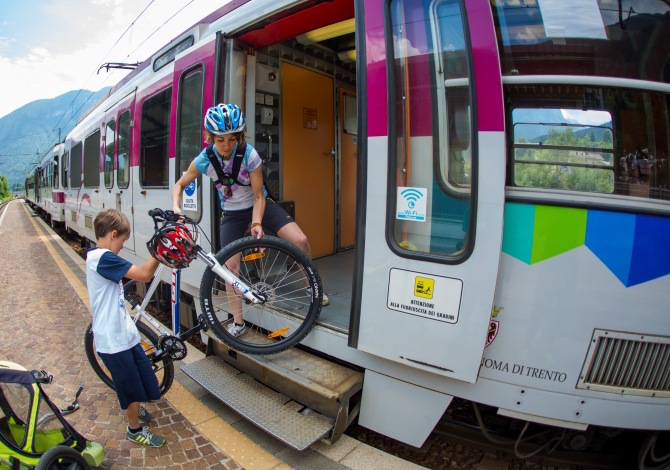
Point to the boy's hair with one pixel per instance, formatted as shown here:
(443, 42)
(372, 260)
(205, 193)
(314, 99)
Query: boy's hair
(209, 137)
(108, 220)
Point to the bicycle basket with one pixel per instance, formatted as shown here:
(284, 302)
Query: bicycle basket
(174, 245)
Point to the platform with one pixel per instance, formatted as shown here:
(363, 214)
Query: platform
(45, 312)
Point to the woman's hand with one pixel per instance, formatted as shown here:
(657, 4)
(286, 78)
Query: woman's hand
(256, 230)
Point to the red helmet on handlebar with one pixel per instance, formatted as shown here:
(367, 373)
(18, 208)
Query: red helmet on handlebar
(173, 245)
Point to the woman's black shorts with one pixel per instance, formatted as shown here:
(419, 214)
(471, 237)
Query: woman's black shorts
(235, 223)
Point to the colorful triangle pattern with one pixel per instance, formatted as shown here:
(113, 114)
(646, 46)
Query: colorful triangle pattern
(634, 247)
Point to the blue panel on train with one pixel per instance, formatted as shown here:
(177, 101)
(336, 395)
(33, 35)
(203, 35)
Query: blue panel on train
(610, 236)
(651, 251)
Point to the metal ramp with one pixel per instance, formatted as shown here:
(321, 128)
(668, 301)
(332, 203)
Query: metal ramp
(295, 396)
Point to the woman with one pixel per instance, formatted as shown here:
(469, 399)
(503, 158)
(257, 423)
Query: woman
(243, 199)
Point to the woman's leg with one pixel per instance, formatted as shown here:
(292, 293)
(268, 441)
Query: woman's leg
(291, 232)
(232, 228)
(234, 298)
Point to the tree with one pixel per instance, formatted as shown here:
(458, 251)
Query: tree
(5, 193)
(563, 175)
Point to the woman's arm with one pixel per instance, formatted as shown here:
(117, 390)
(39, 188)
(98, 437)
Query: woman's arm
(256, 178)
(186, 179)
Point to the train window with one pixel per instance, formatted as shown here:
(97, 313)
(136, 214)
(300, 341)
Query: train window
(169, 55)
(55, 175)
(154, 140)
(190, 138)
(122, 151)
(563, 149)
(92, 160)
(75, 166)
(66, 162)
(611, 144)
(606, 38)
(433, 155)
(109, 154)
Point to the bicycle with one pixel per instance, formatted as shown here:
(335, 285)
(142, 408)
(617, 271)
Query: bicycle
(269, 281)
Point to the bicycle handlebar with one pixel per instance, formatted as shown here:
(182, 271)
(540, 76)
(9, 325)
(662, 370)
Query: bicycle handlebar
(162, 216)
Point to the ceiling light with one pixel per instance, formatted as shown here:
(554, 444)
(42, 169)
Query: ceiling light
(331, 31)
(347, 56)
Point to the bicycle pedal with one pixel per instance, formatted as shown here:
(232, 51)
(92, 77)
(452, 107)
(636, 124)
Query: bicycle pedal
(279, 332)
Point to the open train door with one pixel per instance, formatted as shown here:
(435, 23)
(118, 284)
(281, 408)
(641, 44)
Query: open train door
(429, 235)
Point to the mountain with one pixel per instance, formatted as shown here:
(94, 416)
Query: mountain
(27, 133)
(525, 117)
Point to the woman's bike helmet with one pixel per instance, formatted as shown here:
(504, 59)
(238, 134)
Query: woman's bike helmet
(224, 119)
(173, 245)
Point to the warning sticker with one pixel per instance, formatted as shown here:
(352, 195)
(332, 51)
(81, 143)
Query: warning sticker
(425, 295)
(423, 287)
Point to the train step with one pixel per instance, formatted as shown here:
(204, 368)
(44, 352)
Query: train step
(295, 396)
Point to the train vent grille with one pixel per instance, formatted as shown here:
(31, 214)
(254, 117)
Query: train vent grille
(73, 216)
(88, 222)
(627, 364)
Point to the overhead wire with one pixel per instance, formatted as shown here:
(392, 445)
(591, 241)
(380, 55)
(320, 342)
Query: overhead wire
(158, 29)
(65, 112)
(89, 77)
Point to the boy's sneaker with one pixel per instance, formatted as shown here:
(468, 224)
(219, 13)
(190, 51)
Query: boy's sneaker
(324, 299)
(145, 416)
(145, 438)
(236, 330)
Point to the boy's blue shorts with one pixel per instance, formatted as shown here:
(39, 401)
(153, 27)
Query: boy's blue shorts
(134, 380)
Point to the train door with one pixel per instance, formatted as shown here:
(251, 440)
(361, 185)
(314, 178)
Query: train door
(347, 137)
(193, 81)
(308, 150)
(434, 193)
(118, 142)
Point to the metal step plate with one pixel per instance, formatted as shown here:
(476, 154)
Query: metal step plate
(311, 380)
(283, 418)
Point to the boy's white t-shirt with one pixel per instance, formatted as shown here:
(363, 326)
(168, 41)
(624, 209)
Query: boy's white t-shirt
(113, 328)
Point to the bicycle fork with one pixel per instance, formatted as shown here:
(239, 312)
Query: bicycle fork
(223, 272)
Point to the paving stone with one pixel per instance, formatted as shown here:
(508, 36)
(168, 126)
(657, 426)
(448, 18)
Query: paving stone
(44, 320)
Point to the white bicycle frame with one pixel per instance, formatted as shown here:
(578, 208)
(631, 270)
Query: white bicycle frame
(210, 260)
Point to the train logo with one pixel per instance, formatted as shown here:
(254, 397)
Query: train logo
(494, 325)
(411, 204)
(424, 287)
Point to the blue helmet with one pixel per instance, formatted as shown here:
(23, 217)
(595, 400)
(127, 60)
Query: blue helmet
(224, 119)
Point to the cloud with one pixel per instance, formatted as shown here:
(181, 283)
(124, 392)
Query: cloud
(589, 118)
(64, 42)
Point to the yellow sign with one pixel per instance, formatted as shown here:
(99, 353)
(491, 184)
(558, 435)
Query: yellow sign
(423, 287)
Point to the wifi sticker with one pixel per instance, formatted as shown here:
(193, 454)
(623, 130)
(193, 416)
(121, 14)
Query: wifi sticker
(411, 204)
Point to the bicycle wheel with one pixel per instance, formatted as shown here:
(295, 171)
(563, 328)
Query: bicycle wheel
(164, 369)
(275, 269)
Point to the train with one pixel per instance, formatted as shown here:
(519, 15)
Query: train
(484, 185)
(43, 188)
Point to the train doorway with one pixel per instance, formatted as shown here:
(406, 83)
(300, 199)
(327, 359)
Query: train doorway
(309, 154)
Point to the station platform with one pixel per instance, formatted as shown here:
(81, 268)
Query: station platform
(45, 311)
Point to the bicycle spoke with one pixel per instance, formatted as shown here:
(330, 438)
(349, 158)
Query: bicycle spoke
(275, 271)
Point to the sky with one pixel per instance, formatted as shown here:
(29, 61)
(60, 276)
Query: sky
(49, 47)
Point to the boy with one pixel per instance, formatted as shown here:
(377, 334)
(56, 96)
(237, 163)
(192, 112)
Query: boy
(117, 339)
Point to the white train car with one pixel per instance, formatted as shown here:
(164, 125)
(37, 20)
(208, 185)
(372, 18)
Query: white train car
(46, 191)
(484, 185)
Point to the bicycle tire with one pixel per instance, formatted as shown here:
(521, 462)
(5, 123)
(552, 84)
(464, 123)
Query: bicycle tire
(164, 370)
(280, 271)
